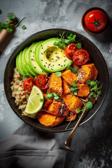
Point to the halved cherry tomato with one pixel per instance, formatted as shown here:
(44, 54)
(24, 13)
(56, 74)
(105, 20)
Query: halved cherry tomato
(70, 49)
(41, 81)
(28, 84)
(80, 57)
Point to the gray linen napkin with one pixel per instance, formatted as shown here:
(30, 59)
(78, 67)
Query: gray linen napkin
(29, 148)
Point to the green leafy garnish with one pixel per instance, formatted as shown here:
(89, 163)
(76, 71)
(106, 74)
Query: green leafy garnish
(89, 105)
(11, 16)
(8, 23)
(53, 95)
(74, 88)
(49, 95)
(79, 45)
(56, 96)
(63, 42)
(95, 89)
(58, 74)
(73, 69)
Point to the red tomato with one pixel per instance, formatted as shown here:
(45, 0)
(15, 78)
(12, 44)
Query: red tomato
(28, 84)
(70, 49)
(41, 81)
(80, 57)
(95, 20)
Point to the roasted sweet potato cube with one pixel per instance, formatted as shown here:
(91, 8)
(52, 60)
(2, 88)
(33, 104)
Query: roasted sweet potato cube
(50, 120)
(94, 71)
(47, 103)
(83, 90)
(55, 107)
(72, 102)
(87, 72)
(66, 88)
(71, 117)
(69, 77)
(55, 84)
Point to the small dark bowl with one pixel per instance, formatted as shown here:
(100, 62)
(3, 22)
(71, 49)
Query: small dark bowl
(96, 57)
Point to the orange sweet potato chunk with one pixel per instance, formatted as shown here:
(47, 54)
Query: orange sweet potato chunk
(87, 72)
(71, 117)
(55, 107)
(83, 90)
(66, 88)
(69, 77)
(94, 71)
(50, 120)
(55, 84)
(72, 102)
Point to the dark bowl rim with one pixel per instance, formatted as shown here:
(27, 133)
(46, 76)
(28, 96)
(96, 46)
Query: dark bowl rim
(49, 129)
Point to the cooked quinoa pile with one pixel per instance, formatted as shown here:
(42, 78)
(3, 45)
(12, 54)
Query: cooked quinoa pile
(18, 92)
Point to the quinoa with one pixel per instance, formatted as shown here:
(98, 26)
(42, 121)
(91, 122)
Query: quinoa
(18, 92)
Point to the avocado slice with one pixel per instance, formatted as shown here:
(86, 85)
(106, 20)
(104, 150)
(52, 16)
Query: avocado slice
(18, 64)
(26, 63)
(33, 63)
(23, 64)
(52, 58)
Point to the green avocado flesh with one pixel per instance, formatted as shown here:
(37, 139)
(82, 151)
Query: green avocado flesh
(42, 57)
(51, 58)
(19, 65)
(36, 67)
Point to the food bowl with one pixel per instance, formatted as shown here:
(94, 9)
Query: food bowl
(96, 58)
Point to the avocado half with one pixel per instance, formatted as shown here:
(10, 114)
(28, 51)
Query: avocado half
(52, 58)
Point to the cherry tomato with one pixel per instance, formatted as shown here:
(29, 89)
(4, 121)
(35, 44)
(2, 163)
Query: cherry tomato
(70, 49)
(41, 81)
(95, 20)
(80, 57)
(28, 84)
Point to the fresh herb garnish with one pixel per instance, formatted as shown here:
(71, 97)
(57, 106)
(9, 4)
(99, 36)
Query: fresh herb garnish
(53, 95)
(74, 88)
(63, 42)
(79, 45)
(95, 89)
(87, 106)
(56, 96)
(8, 24)
(11, 16)
(49, 95)
(73, 69)
(58, 74)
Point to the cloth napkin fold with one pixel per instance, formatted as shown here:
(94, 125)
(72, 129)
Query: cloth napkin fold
(28, 148)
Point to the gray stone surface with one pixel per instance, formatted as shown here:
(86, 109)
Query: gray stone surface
(93, 142)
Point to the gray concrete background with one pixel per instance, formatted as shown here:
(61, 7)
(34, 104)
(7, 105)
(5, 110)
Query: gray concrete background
(40, 15)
